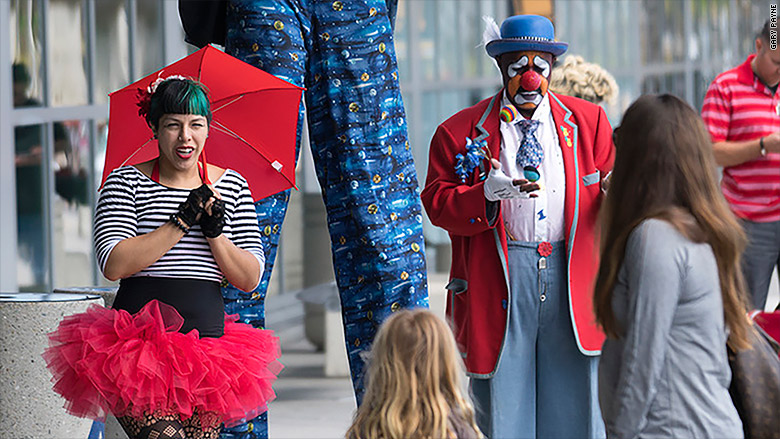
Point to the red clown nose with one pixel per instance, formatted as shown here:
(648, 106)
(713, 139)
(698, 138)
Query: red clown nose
(530, 80)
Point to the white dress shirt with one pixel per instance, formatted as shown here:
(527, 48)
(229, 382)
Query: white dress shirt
(541, 218)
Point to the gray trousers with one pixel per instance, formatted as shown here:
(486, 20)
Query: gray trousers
(544, 387)
(760, 259)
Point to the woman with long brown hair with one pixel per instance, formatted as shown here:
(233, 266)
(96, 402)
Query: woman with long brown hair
(669, 292)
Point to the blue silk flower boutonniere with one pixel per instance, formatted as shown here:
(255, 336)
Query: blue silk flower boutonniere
(466, 163)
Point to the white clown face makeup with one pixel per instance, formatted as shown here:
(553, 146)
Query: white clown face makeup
(526, 78)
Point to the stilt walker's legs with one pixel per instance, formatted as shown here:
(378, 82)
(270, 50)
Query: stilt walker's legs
(343, 53)
(357, 128)
(267, 34)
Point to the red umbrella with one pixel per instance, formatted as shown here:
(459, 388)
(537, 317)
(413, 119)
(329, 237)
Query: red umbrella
(253, 130)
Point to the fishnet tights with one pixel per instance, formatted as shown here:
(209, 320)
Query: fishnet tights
(158, 426)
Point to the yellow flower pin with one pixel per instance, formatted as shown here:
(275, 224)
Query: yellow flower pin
(566, 136)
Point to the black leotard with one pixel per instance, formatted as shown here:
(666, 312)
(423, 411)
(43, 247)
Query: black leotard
(198, 301)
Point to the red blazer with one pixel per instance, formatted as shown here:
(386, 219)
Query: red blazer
(479, 276)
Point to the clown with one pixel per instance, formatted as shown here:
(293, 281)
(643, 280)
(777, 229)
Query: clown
(516, 181)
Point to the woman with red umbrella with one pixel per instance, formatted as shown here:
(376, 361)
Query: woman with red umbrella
(166, 360)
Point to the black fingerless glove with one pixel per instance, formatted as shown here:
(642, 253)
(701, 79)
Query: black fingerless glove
(193, 205)
(212, 225)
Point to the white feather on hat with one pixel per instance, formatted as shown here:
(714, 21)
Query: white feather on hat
(492, 31)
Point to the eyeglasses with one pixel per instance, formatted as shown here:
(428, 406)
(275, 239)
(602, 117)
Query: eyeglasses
(615, 135)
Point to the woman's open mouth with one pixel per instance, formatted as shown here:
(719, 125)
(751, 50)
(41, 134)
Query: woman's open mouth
(185, 152)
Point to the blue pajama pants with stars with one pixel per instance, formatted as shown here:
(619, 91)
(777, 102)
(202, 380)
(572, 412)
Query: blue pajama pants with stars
(343, 53)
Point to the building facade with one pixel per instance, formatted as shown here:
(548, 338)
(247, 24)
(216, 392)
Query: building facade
(59, 59)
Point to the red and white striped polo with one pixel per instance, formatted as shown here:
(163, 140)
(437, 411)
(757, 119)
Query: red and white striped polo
(739, 107)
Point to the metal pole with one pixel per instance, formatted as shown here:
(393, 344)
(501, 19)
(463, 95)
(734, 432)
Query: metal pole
(733, 55)
(689, 36)
(48, 154)
(8, 239)
(132, 23)
(174, 47)
(91, 57)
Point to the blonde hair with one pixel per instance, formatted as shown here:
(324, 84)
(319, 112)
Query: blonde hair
(414, 383)
(583, 80)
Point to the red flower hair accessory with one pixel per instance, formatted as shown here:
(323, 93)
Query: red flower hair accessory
(545, 249)
(144, 96)
(144, 102)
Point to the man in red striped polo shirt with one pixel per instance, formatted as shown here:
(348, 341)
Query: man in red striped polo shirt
(742, 112)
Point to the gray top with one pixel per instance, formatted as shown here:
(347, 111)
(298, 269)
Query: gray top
(668, 375)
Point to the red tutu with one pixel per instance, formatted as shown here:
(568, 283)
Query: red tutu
(109, 361)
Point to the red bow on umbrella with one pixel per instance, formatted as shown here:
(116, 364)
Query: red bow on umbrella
(253, 129)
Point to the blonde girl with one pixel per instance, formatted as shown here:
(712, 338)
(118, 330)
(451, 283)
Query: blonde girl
(414, 383)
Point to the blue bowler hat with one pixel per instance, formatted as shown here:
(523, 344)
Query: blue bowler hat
(526, 32)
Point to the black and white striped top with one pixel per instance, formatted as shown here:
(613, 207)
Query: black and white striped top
(132, 204)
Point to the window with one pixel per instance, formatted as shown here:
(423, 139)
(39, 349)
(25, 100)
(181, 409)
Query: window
(661, 46)
(65, 57)
(444, 68)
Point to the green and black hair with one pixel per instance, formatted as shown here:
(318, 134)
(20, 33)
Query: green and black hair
(178, 96)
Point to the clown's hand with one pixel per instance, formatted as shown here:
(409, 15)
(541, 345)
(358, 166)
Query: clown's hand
(499, 186)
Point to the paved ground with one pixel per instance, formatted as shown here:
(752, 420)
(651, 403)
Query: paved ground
(308, 404)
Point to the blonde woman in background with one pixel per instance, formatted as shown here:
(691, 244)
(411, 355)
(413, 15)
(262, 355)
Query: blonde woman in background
(414, 385)
(583, 80)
